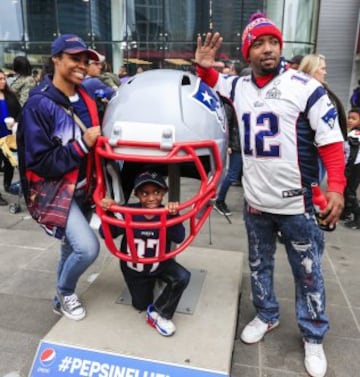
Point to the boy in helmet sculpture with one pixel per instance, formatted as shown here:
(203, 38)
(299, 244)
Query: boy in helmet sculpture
(150, 188)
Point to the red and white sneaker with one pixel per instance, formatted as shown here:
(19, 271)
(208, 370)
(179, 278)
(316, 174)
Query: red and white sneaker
(255, 330)
(164, 326)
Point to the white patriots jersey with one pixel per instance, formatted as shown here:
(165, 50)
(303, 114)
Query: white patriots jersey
(281, 126)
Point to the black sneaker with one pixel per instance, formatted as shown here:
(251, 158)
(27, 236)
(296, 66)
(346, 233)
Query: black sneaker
(222, 208)
(13, 189)
(57, 308)
(346, 216)
(3, 202)
(352, 224)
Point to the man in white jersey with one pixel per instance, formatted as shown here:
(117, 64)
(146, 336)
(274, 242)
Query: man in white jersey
(286, 120)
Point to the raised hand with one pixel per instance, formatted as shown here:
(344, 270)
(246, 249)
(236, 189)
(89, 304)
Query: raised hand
(205, 52)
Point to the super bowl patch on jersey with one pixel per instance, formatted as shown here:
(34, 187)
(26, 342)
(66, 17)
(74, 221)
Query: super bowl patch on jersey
(273, 93)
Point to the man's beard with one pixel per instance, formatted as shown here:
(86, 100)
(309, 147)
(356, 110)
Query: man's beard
(268, 71)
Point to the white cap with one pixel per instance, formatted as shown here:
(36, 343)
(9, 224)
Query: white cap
(100, 57)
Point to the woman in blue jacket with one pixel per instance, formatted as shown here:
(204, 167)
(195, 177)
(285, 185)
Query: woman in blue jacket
(9, 107)
(58, 129)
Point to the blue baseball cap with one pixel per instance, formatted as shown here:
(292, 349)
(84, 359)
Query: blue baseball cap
(71, 44)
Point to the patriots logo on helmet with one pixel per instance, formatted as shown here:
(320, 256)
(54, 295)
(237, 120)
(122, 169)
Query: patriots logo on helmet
(330, 117)
(47, 357)
(207, 98)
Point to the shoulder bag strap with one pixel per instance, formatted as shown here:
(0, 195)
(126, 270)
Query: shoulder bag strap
(78, 121)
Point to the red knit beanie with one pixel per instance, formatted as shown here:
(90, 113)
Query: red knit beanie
(259, 25)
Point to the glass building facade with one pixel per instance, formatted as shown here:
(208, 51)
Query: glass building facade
(150, 33)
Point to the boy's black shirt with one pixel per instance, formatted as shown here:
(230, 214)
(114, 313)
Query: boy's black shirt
(146, 239)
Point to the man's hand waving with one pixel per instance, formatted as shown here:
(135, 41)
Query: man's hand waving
(205, 52)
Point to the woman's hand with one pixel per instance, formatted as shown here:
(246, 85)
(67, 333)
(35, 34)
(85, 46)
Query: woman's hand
(106, 203)
(90, 135)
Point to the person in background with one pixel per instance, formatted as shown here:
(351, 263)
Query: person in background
(123, 75)
(286, 119)
(9, 107)
(226, 69)
(23, 81)
(295, 61)
(58, 129)
(139, 69)
(150, 188)
(235, 159)
(108, 77)
(352, 147)
(234, 173)
(36, 75)
(355, 96)
(92, 82)
(100, 91)
(47, 68)
(315, 66)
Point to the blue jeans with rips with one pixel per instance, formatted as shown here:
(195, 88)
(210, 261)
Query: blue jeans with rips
(304, 243)
(78, 250)
(233, 173)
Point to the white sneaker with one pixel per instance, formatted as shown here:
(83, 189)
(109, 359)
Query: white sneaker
(315, 359)
(255, 330)
(164, 326)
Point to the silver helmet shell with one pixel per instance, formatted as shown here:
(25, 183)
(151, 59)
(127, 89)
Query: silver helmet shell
(156, 101)
(175, 123)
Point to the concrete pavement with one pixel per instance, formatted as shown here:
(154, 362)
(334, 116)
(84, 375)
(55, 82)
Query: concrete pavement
(28, 260)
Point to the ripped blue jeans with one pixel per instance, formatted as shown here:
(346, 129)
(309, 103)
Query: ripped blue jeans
(304, 243)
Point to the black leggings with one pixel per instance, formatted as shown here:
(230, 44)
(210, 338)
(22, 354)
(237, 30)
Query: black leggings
(8, 170)
(141, 287)
(353, 181)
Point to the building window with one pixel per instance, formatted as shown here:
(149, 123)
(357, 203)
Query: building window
(156, 33)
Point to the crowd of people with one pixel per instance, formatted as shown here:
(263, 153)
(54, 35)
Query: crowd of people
(276, 133)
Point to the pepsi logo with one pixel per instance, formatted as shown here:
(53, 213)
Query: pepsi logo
(47, 357)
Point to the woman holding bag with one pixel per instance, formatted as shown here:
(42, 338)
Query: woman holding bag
(9, 107)
(58, 129)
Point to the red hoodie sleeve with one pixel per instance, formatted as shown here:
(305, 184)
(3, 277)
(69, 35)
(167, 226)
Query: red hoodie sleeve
(333, 158)
(208, 75)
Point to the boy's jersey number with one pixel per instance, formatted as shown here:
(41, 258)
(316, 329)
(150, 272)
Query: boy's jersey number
(141, 247)
(271, 122)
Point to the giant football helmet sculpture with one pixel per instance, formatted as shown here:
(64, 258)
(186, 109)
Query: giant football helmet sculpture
(172, 122)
